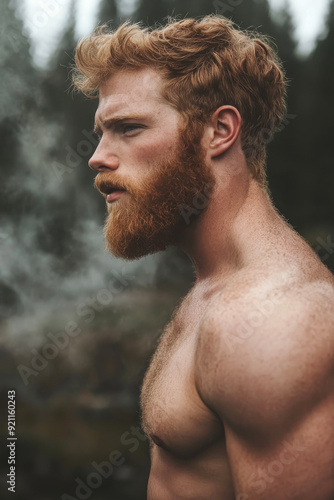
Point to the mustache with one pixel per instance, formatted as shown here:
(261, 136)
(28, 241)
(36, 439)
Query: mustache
(106, 184)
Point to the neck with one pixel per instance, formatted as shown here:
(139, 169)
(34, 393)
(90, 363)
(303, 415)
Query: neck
(237, 229)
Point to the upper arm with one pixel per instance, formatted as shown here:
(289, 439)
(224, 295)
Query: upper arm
(269, 377)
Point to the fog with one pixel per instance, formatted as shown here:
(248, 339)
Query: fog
(53, 255)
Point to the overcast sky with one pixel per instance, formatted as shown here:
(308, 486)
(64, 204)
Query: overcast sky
(44, 20)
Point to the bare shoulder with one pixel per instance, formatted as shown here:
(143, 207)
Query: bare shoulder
(269, 340)
(280, 303)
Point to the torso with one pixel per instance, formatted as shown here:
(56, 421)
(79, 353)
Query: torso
(184, 433)
(188, 453)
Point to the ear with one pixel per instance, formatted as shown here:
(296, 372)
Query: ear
(224, 129)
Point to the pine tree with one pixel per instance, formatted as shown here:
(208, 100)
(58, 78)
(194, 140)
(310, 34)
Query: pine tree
(150, 12)
(318, 105)
(284, 159)
(108, 13)
(17, 97)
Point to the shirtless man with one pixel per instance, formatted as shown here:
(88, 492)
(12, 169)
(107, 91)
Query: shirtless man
(238, 401)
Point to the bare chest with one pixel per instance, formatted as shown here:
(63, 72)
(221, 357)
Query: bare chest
(173, 413)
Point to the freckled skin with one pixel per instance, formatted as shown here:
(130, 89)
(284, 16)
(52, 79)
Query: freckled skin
(238, 399)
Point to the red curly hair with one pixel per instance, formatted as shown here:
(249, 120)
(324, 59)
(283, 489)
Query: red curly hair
(205, 64)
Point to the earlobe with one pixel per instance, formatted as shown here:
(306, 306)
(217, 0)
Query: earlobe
(226, 127)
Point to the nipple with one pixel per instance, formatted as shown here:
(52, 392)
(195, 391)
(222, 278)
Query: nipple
(157, 440)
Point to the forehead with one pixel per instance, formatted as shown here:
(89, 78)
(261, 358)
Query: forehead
(138, 90)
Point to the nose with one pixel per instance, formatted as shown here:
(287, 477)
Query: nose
(103, 160)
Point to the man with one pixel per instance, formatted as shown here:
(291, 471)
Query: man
(238, 400)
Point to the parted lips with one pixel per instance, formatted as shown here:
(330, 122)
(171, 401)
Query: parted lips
(107, 186)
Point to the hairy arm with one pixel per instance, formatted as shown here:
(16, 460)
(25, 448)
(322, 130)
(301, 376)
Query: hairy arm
(269, 377)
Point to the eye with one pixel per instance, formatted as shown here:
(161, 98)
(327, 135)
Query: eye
(130, 129)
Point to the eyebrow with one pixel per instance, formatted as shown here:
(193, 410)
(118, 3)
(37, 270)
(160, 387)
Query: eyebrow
(115, 119)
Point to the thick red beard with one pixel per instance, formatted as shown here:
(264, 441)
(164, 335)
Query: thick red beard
(149, 217)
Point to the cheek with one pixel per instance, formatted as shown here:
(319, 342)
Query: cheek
(156, 147)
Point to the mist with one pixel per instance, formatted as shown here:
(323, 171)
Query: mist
(77, 326)
(53, 255)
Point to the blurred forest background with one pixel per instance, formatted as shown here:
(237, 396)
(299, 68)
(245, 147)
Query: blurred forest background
(78, 326)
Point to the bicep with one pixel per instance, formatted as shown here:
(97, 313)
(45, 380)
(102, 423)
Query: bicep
(273, 390)
(282, 465)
